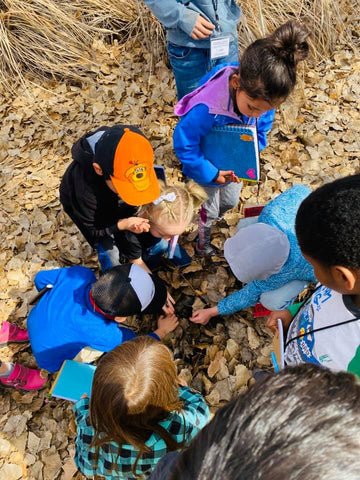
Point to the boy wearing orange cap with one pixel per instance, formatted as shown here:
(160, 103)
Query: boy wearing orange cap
(112, 174)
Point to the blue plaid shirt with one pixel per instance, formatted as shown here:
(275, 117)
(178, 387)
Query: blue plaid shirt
(115, 462)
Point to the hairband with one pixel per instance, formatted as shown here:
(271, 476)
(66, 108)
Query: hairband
(170, 197)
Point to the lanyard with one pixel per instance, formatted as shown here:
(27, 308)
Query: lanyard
(215, 5)
(322, 328)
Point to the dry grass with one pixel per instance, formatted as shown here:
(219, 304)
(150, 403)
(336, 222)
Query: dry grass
(329, 22)
(56, 38)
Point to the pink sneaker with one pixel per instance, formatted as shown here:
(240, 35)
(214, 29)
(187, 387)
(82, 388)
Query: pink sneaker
(23, 378)
(11, 333)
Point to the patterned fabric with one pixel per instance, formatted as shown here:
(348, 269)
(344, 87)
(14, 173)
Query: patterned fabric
(279, 213)
(115, 462)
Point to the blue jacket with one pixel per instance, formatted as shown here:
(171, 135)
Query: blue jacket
(179, 18)
(64, 322)
(279, 213)
(197, 123)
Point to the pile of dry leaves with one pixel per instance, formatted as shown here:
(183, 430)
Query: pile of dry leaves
(316, 137)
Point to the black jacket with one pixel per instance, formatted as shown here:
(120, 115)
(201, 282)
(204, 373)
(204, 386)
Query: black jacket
(86, 198)
(94, 208)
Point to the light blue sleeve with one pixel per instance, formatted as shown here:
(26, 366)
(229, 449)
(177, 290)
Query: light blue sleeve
(264, 125)
(187, 136)
(173, 14)
(246, 297)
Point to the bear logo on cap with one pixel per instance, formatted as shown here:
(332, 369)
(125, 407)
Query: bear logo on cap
(138, 176)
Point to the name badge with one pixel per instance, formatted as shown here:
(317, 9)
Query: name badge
(219, 47)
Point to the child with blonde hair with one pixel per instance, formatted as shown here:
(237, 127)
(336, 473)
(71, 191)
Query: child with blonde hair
(137, 412)
(169, 216)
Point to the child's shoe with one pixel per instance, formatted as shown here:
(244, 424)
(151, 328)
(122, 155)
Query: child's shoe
(23, 378)
(11, 333)
(205, 250)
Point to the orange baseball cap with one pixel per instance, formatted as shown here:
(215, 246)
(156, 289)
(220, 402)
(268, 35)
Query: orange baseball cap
(127, 157)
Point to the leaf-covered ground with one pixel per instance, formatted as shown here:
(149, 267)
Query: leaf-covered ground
(316, 137)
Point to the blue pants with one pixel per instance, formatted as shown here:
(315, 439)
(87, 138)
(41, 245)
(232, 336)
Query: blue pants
(109, 254)
(191, 64)
(284, 296)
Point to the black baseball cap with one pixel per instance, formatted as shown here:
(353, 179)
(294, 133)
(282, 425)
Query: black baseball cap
(127, 290)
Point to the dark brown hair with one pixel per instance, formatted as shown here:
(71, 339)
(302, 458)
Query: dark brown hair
(268, 66)
(301, 424)
(135, 386)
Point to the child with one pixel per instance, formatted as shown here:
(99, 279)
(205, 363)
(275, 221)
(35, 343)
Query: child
(191, 27)
(14, 374)
(276, 430)
(168, 217)
(137, 412)
(112, 174)
(326, 329)
(77, 311)
(236, 94)
(267, 257)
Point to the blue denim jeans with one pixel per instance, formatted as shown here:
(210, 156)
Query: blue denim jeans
(190, 65)
(153, 255)
(109, 254)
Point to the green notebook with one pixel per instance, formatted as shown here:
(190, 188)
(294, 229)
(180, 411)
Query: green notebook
(73, 380)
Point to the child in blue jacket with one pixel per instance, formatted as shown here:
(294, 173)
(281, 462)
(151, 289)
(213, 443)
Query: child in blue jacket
(78, 311)
(237, 94)
(190, 29)
(266, 256)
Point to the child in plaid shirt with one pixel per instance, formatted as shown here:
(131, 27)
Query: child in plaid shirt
(137, 412)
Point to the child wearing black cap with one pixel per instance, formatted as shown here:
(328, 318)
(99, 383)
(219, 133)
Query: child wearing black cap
(112, 174)
(77, 311)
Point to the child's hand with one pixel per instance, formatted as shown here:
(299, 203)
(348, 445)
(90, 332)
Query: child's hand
(84, 395)
(166, 324)
(202, 28)
(285, 317)
(227, 176)
(134, 224)
(204, 315)
(168, 308)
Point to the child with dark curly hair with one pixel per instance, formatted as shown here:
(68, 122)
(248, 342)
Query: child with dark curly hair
(326, 329)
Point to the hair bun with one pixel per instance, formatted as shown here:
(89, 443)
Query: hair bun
(289, 42)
